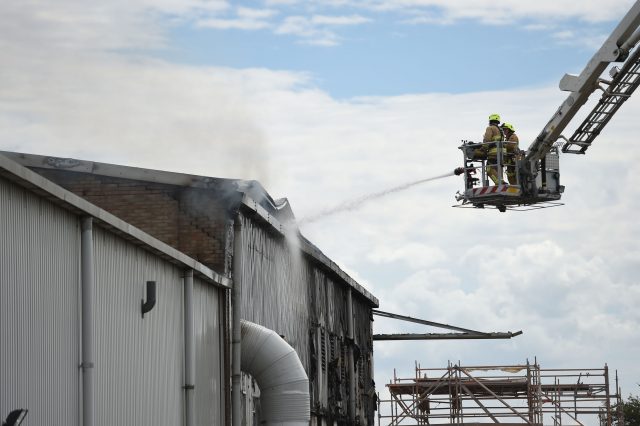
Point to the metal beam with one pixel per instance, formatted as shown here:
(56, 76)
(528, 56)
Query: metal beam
(425, 322)
(445, 336)
(465, 333)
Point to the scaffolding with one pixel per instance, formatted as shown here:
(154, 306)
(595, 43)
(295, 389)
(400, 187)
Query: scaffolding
(509, 394)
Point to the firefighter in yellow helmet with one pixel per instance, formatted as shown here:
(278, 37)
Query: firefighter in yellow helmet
(512, 151)
(493, 133)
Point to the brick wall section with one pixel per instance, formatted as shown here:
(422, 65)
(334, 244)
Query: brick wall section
(191, 220)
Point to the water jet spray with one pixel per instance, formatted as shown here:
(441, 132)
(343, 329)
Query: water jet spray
(351, 205)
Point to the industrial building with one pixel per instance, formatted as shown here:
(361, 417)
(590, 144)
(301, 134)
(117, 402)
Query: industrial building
(135, 296)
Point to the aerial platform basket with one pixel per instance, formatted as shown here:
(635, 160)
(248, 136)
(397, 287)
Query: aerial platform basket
(524, 190)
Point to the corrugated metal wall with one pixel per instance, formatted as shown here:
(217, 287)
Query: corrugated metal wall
(39, 313)
(273, 290)
(208, 329)
(138, 361)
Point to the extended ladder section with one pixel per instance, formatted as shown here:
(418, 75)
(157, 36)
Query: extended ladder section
(615, 49)
(625, 81)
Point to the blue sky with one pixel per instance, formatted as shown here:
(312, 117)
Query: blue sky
(324, 101)
(382, 54)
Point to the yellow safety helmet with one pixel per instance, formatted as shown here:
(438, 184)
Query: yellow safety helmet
(509, 126)
(494, 117)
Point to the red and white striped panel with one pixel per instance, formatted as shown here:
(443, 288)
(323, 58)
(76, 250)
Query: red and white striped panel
(499, 189)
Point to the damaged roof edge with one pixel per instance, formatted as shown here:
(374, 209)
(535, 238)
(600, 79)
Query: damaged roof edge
(307, 247)
(252, 188)
(42, 186)
(111, 170)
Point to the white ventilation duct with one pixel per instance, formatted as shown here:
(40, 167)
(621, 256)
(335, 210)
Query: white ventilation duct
(283, 383)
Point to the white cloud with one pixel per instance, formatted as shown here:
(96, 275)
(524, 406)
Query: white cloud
(507, 11)
(542, 15)
(134, 25)
(563, 35)
(423, 18)
(74, 25)
(339, 20)
(237, 24)
(308, 30)
(185, 8)
(280, 2)
(296, 25)
(416, 255)
(539, 27)
(247, 12)
(316, 29)
(123, 24)
(246, 19)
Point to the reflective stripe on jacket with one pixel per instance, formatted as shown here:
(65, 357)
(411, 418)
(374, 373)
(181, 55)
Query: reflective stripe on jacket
(493, 133)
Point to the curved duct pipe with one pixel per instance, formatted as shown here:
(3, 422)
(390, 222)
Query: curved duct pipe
(284, 385)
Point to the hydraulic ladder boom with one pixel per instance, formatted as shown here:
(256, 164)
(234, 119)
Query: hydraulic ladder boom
(615, 49)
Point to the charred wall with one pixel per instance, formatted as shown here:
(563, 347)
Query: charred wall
(365, 386)
(289, 291)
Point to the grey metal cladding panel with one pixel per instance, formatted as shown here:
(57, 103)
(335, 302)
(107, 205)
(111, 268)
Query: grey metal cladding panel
(138, 361)
(364, 340)
(320, 281)
(363, 324)
(274, 286)
(209, 345)
(337, 308)
(330, 305)
(39, 336)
